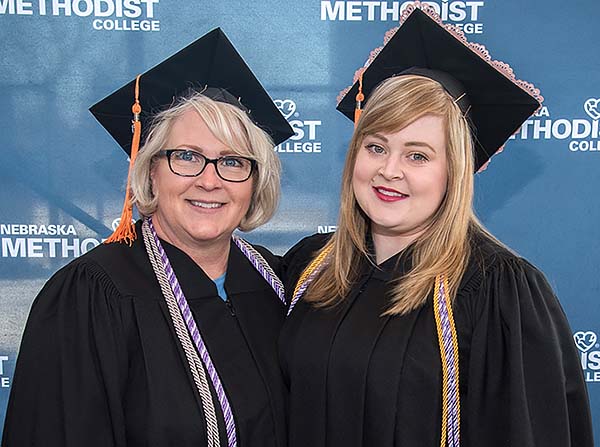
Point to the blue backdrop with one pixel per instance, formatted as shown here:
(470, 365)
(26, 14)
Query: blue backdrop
(62, 176)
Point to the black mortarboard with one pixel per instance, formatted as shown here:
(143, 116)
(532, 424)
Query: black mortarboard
(496, 103)
(210, 65)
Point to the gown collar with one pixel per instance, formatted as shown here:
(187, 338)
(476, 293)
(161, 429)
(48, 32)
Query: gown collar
(241, 275)
(390, 269)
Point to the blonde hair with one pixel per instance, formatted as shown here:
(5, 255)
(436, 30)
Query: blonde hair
(444, 246)
(230, 125)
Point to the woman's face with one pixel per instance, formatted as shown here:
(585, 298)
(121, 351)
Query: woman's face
(399, 179)
(197, 211)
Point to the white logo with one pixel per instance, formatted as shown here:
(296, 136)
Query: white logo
(287, 107)
(589, 353)
(585, 340)
(326, 228)
(592, 108)
(117, 221)
(580, 134)
(464, 15)
(4, 381)
(42, 241)
(105, 15)
(304, 140)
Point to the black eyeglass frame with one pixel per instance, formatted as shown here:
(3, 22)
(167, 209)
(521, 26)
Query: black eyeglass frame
(208, 161)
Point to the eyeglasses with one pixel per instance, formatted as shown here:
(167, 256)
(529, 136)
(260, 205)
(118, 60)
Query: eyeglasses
(188, 163)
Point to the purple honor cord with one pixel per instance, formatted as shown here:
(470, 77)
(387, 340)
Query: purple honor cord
(261, 266)
(198, 341)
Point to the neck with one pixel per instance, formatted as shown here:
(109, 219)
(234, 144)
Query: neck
(387, 245)
(213, 261)
(210, 256)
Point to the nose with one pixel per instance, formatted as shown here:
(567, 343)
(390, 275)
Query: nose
(392, 169)
(209, 179)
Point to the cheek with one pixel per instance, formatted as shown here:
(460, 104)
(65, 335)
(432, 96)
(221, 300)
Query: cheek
(439, 176)
(356, 181)
(360, 188)
(159, 186)
(155, 185)
(438, 188)
(442, 183)
(361, 173)
(158, 176)
(244, 196)
(248, 196)
(166, 184)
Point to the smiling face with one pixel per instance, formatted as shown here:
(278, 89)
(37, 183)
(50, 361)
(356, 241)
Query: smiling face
(399, 179)
(194, 212)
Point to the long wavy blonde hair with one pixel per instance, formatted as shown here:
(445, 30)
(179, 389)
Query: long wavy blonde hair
(444, 246)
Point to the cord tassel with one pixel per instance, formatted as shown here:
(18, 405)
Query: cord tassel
(125, 232)
(360, 97)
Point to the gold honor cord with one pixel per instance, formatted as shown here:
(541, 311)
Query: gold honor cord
(448, 344)
(309, 274)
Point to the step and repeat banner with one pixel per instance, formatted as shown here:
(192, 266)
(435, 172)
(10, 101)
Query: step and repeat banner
(62, 176)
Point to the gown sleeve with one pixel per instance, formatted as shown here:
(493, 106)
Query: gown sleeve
(524, 384)
(71, 367)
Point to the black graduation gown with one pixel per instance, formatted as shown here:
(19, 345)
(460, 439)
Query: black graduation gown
(100, 364)
(357, 378)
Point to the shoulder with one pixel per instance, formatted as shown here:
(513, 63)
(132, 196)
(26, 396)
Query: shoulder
(500, 283)
(489, 258)
(117, 258)
(245, 254)
(300, 255)
(104, 255)
(306, 249)
(96, 263)
(84, 283)
(272, 259)
(117, 267)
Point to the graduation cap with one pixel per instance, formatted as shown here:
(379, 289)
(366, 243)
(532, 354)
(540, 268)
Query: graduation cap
(487, 92)
(210, 65)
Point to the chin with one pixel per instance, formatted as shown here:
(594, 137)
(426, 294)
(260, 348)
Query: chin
(391, 226)
(395, 228)
(207, 236)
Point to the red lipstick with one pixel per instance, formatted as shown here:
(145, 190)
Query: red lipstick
(389, 194)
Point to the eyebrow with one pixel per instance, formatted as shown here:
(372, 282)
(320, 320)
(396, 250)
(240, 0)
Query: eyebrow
(420, 144)
(223, 153)
(408, 144)
(378, 136)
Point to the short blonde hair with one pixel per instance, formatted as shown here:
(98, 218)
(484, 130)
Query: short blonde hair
(230, 125)
(444, 247)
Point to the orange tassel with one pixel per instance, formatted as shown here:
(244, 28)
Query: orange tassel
(360, 97)
(125, 232)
